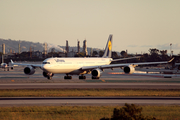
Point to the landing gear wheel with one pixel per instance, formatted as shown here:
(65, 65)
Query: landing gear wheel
(82, 77)
(49, 77)
(93, 77)
(67, 77)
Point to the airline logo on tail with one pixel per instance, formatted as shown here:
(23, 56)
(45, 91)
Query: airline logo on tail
(107, 51)
(109, 45)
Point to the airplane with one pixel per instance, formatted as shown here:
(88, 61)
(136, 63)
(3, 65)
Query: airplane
(5, 66)
(81, 66)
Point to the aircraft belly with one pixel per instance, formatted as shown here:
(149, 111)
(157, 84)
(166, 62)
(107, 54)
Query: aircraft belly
(62, 69)
(55, 71)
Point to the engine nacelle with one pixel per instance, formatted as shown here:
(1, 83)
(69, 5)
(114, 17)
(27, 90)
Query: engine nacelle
(29, 70)
(129, 69)
(96, 72)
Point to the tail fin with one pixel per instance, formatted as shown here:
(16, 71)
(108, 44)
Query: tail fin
(108, 49)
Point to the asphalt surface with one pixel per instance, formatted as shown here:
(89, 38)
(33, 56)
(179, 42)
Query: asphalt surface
(90, 86)
(115, 79)
(98, 101)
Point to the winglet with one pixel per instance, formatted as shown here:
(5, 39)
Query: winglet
(171, 60)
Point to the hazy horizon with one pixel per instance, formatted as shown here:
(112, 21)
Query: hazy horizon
(136, 25)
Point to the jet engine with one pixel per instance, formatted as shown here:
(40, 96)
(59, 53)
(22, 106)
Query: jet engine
(29, 70)
(96, 73)
(129, 69)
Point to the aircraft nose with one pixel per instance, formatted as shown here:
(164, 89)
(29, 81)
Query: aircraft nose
(44, 66)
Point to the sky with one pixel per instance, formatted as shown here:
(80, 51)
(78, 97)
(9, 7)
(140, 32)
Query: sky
(136, 25)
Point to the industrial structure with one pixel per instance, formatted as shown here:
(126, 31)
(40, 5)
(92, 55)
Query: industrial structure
(85, 48)
(45, 49)
(78, 47)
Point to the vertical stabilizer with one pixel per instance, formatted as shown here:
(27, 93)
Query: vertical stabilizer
(108, 49)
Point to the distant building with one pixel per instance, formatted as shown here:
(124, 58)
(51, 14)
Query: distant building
(37, 54)
(71, 54)
(19, 48)
(62, 54)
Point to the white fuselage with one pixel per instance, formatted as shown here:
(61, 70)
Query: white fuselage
(72, 65)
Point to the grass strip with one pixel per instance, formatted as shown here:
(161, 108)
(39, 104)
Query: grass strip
(81, 112)
(86, 92)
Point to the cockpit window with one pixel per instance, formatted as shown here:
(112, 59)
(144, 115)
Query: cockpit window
(46, 62)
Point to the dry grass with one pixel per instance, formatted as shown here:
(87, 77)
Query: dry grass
(87, 92)
(81, 112)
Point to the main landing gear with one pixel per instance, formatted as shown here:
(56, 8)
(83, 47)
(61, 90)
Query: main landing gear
(94, 77)
(67, 77)
(70, 77)
(82, 77)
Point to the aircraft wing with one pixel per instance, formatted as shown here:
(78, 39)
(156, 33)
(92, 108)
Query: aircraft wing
(125, 58)
(23, 64)
(122, 65)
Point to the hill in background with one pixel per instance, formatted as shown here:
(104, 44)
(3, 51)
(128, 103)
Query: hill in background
(36, 46)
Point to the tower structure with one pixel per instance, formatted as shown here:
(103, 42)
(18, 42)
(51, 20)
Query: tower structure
(3, 49)
(85, 47)
(67, 47)
(3, 52)
(10, 50)
(78, 47)
(45, 49)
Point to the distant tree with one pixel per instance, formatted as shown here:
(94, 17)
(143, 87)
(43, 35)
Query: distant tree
(94, 53)
(153, 51)
(101, 53)
(25, 55)
(129, 112)
(144, 57)
(154, 55)
(163, 52)
(164, 55)
(124, 54)
(115, 55)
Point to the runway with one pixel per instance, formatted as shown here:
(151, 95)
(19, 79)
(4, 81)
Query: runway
(87, 101)
(17, 80)
(175, 86)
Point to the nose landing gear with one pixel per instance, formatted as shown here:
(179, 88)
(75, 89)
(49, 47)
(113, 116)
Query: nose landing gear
(48, 75)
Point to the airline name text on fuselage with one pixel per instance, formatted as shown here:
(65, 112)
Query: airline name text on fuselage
(59, 60)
